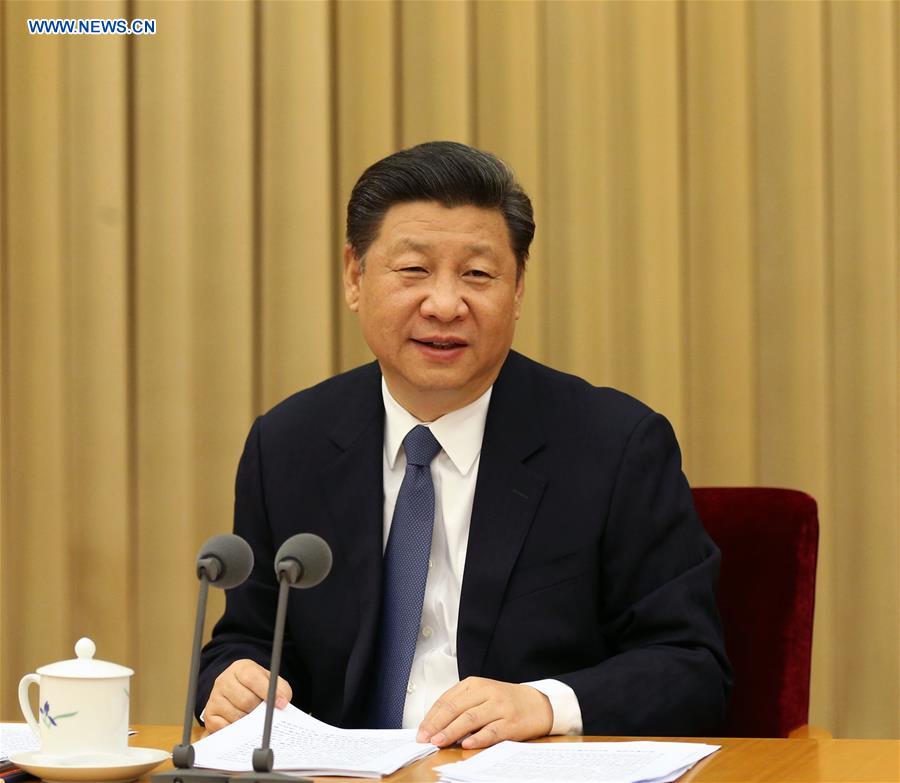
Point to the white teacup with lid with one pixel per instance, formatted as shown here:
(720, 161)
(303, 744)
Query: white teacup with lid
(83, 705)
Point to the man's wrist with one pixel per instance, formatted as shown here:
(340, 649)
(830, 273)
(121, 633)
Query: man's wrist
(563, 704)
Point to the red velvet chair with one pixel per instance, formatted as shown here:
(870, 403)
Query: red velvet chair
(769, 543)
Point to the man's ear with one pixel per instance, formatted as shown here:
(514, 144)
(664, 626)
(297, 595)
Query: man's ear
(520, 294)
(352, 274)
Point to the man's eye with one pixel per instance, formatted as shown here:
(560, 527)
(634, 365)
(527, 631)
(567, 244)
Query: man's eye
(478, 273)
(414, 270)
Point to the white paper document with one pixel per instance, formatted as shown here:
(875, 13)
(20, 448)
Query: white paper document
(16, 738)
(576, 762)
(307, 746)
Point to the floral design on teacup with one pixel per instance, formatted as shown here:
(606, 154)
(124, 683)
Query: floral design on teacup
(50, 720)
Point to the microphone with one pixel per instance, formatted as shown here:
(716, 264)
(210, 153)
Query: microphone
(224, 561)
(302, 561)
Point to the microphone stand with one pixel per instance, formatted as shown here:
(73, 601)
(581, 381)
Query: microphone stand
(183, 754)
(289, 573)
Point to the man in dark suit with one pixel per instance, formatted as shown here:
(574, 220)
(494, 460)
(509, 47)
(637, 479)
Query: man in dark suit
(566, 585)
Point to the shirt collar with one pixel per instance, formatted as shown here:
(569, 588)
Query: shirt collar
(459, 432)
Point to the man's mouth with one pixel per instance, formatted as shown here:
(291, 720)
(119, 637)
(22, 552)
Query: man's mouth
(441, 345)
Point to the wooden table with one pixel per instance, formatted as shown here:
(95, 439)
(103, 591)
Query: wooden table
(739, 760)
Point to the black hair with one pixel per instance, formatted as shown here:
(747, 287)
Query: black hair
(449, 173)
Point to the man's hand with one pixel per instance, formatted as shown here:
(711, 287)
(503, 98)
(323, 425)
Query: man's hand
(238, 690)
(488, 710)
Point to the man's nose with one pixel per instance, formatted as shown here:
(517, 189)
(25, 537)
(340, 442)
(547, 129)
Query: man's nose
(444, 300)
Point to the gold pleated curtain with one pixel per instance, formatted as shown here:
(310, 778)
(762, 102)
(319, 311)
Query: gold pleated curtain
(716, 186)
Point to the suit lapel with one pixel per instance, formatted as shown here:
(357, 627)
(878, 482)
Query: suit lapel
(507, 494)
(353, 490)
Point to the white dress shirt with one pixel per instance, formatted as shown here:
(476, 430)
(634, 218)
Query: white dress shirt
(454, 472)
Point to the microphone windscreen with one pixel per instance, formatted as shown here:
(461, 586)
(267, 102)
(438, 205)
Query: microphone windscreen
(234, 554)
(313, 554)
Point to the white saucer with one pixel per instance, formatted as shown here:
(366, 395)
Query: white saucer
(94, 767)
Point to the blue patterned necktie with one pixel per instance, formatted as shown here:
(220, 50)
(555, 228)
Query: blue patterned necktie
(405, 574)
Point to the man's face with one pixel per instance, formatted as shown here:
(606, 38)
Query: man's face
(438, 299)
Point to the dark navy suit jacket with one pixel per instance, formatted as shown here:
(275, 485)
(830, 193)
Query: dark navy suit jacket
(586, 561)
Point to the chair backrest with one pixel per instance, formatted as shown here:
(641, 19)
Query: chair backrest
(769, 543)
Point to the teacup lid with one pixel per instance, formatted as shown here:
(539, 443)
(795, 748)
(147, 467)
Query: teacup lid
(84, 666)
